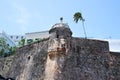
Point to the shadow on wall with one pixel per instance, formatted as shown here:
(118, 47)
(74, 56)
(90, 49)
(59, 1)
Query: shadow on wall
(2, 78)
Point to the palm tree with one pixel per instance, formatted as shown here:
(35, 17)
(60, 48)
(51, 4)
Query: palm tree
(78, 16)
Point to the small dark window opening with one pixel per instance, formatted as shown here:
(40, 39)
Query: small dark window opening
(57, 36)
(16, 37)
(11, 36)
(8, 45)
(28, 57)
(21, 37)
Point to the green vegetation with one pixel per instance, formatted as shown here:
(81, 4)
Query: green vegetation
(22, 43)
(78, 16)
(5, 49)
(12, 50)
(31, 41)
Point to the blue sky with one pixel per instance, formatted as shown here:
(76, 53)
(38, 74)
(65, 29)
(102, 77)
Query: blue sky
(102, 19)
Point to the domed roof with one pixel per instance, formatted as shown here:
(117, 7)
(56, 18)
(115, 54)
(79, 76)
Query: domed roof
(61, 29)
(60, 25)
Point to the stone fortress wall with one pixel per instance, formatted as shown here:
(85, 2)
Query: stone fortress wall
(63, 57)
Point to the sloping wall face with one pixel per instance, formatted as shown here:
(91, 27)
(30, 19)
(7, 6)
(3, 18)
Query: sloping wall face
(90, 60)
(29, 62)
(82, 59)
(66, 59)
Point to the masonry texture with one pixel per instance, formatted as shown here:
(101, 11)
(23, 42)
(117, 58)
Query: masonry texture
(63, 57)
(29, 62)
(83, 60)
(5, 64)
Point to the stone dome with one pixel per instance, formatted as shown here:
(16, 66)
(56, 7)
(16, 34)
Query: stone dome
(60, 25)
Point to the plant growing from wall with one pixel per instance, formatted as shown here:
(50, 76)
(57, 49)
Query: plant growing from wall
(37, 40)
(22, 42)
(12, 50)
(30, 41)
(3, 43)
(2, 53)
(5, 49)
